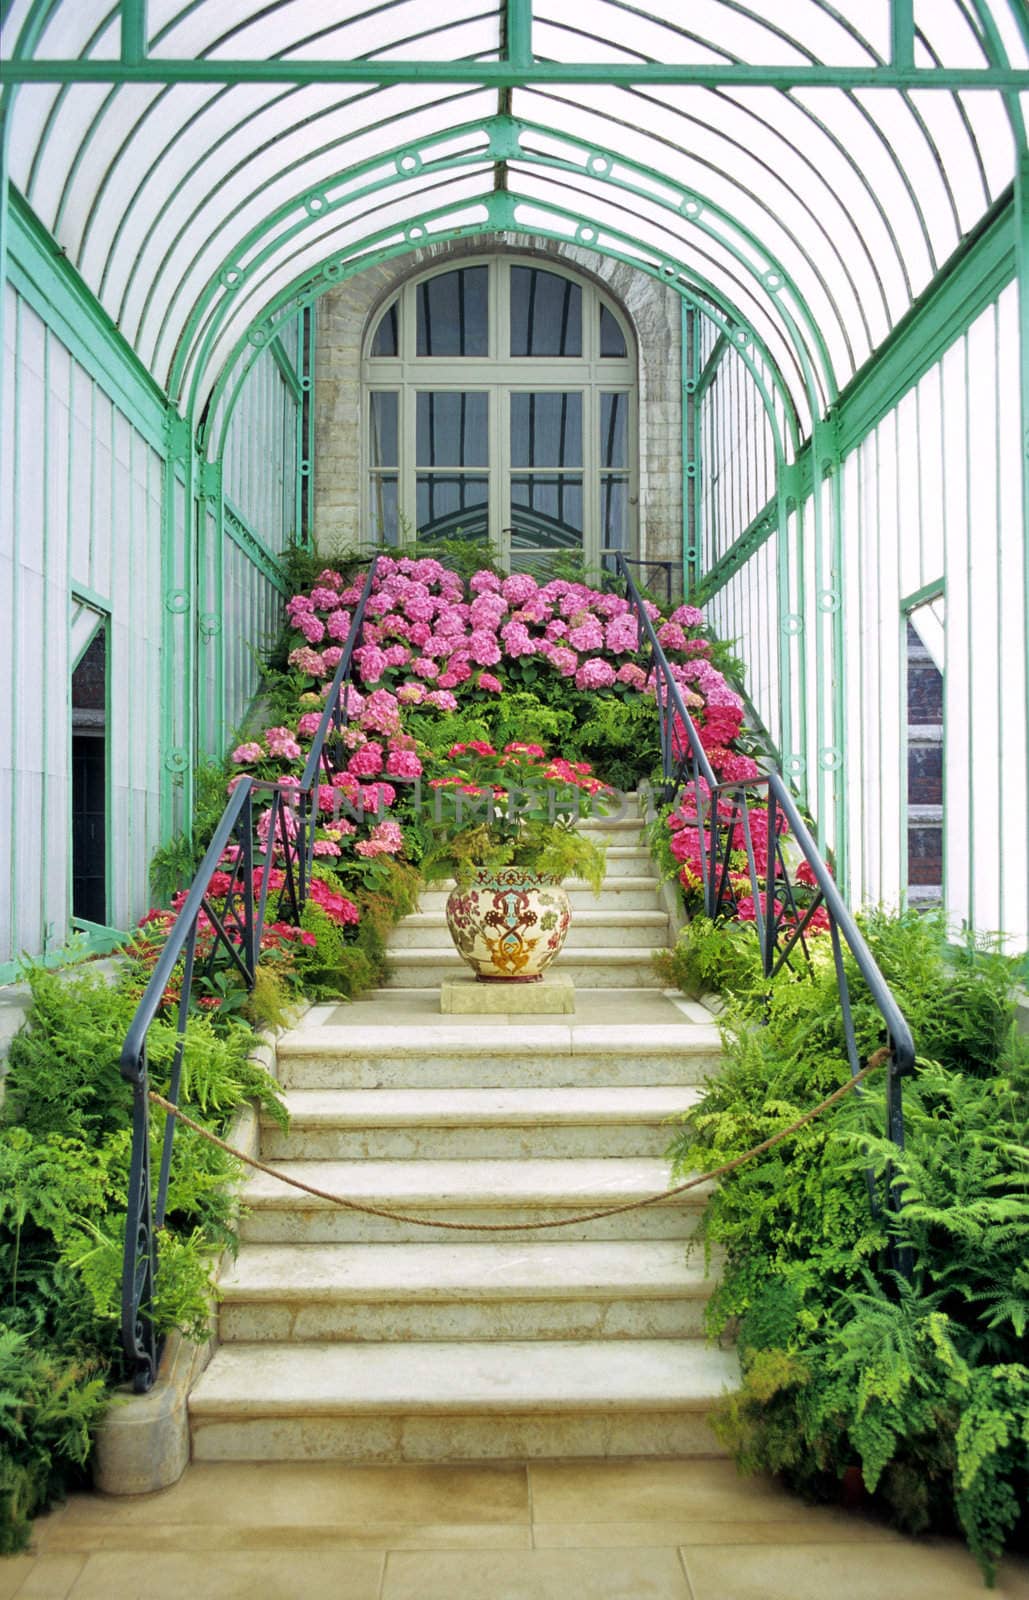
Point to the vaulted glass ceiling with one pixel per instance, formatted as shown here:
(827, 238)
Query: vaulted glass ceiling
(205, 164)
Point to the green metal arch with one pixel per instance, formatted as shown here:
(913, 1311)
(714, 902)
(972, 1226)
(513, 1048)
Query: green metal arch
(303, 292)
(502, 134)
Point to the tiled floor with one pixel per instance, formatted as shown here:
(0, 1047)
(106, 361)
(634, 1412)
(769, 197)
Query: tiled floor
(636, 1530)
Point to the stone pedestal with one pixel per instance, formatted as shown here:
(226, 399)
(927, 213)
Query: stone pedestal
(551, 995)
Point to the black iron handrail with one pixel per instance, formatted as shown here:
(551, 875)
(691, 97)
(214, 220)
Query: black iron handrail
(236, 926)
(685, 765)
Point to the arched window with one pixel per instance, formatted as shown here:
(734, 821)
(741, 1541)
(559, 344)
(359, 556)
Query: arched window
(500, 404)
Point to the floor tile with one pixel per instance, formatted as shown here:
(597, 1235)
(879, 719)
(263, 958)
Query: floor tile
(846, 1572)
(832, 1527)
(707, 1488)
(298, 1493)
(49, 1577)
(176, 1537)
(537, 1575)
(288, 1575)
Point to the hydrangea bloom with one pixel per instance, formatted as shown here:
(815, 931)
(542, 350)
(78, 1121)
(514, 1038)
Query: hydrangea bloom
(622, 635)
(687, 617)
(517, 640)
(565, 661)
(308, 724)
(312, 627)
(308, 660)
(489, 682)
(403, 764)
(370, 662)
(323, 598)
(595, 674)
(442, 699)
(366, 762)
(481, 581)
(483, 648)
(281, 743)
(386, 839)
(587, 635)
(519, 588)
(425, 667)
(631, 675)
(337, 624)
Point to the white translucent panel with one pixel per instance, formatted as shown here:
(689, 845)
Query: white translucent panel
(948, 34)
(922, 145)
(994, 140)
(872, 21)
(733, 30)
(799, 205)
(701, 256)
(187, 205)
(304, 262)
(246, 30)
(35, 102)
(1012, 624)
(881, 185)
(61, 130)
(1014, 37)
(942, 116)
(95, 154)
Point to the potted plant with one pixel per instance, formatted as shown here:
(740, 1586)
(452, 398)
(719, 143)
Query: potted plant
(502, 825)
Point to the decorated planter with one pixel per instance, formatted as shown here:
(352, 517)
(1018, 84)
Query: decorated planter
(508, 923)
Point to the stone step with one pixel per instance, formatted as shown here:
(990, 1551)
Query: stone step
(611, 1290)
(472, 1192)
(459, 1124)
(594, 967)
(502, 1400)
(491, 1053)
(427, 930)
(627, 861)
(623, 894)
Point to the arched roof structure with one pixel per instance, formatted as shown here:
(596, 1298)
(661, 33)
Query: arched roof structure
(207, 165)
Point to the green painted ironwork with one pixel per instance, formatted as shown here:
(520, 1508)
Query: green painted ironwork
(508, 74)
(243, 535)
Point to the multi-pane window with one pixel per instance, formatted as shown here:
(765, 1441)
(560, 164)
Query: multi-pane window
(500, 404)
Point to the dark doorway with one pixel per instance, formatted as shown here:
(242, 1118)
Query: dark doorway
(89, 782)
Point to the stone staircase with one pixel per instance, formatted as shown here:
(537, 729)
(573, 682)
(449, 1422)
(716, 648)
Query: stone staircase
(351, 1337)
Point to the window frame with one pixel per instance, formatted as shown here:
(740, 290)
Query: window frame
(500, 375)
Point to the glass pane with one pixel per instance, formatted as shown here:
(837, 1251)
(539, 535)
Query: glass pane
(452, 429)
(453, 313)
(612, 339)
(614, 421)
(546, 314)
(546, 430)
(384, 519)
(383, 429)
(546, 512)
(614, 513)
(385, 341)
(452, 506)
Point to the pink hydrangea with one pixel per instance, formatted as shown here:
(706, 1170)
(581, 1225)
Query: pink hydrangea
(687, 617)
(370, 661)
(587, 635)
(411, 694)
(622, 635)
(331, 659)
(739, 769)
(323, 599)
(308, 724)
(596, 673)
(281, 743)
(556, 629)
(330, 578)
(566, 661)
(307, 660)
(519, 588)
(419, 634)
(381, 714)
(486, 611)
(297, 605)
(396, 655)
(452, 620)
(671, 637)
(482, 581)
(459, 670)
(442, 699)
(488, 682)
(386, 839)
(326, 847)
(337, 624)
(425, 667)
(631, 675)
(312, 627)
(610, 605)
(366, 762)
(245, 753)
(483, 648)
(517, 639)
(376, 796)
(403, 764)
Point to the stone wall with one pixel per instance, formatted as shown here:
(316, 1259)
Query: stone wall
(343, 316)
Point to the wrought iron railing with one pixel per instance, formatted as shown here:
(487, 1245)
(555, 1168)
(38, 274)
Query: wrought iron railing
(723, 813)
(226, 905)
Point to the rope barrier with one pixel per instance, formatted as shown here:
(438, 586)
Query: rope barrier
(660, 1198)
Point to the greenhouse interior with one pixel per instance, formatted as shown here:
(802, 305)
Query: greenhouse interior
(713, 314)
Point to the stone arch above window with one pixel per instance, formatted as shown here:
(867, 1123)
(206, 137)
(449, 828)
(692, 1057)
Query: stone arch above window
(500, 404)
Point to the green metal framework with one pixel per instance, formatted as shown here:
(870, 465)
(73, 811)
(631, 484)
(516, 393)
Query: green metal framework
(183, 189)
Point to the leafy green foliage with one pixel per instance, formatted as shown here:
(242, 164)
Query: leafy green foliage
(921, 1379)
(64, 1161)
